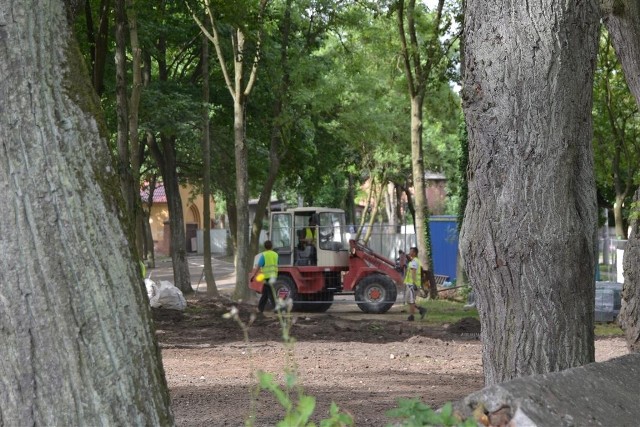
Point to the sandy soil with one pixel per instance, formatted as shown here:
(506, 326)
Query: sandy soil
(362, 362)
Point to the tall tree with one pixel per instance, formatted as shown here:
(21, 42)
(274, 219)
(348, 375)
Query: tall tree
(279, 125)
(240, 83)
(212, 289)
(136, 148)
(78, 342)
(419, 63)
(122, 112)
(172, 110)
(165, 153)
(528, 236)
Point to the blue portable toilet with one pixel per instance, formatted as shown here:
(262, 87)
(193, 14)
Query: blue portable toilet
(444, 244)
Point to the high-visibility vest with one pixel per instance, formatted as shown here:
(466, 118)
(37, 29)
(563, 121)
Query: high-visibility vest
(310, 233)
(408, 279)
(143, 269)
(270, 268)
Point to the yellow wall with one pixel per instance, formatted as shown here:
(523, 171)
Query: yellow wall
(192, 211)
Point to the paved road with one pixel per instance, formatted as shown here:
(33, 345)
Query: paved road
(223, 273)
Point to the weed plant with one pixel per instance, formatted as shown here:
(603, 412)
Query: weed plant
(300, 407)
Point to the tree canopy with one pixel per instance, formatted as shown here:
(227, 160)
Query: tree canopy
(329, 108)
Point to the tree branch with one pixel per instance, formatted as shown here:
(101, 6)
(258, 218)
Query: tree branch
(256, 58)
(215, 40)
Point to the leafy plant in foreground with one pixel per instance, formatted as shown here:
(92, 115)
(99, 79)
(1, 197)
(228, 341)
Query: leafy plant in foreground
(297, 413)
(414, 413)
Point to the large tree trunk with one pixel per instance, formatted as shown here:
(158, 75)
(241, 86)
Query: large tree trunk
(528, 237)
(78, 346)
(622, 19)
(629, 317)
(166, 160)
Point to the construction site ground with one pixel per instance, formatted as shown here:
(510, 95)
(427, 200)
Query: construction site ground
(362, 362)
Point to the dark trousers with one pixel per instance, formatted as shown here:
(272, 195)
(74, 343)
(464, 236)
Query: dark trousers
(267, 295)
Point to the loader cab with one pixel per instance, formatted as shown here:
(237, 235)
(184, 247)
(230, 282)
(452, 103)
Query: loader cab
(310, 237)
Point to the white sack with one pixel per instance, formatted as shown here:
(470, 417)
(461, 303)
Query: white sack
(166, 295)
(152, 290)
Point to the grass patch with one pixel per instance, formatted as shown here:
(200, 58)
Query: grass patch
(440, 312)
(608, 330)
(195, 309)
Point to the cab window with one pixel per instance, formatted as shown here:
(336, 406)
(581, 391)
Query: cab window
(281, 230)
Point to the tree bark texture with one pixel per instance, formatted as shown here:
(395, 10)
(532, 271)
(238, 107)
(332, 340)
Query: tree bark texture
(78, 346)
(630, 311)
(528, 236)
(622, 19)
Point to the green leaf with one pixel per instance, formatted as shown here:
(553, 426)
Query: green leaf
(306, 406)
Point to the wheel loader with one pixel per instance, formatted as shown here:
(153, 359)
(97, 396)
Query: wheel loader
(317, 261)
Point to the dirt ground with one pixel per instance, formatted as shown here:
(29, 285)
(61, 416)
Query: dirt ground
(362, 362)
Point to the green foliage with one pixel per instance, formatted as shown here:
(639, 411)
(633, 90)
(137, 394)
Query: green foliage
(608, 330)
(344, 109)
(634, 211)
(414, 413)
(299, 413)
(337, 418)
(465, 291)
(616, 126)
(447, 311)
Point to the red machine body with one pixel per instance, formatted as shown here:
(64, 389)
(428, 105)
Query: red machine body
(318, 259)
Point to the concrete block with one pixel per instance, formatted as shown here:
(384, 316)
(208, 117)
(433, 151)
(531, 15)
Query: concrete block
(598, 394)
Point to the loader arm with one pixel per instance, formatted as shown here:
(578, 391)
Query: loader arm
(364, 261)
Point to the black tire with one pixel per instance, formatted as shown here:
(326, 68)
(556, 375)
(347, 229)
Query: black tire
(376, 294)
(316, 303)
(284, 288)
